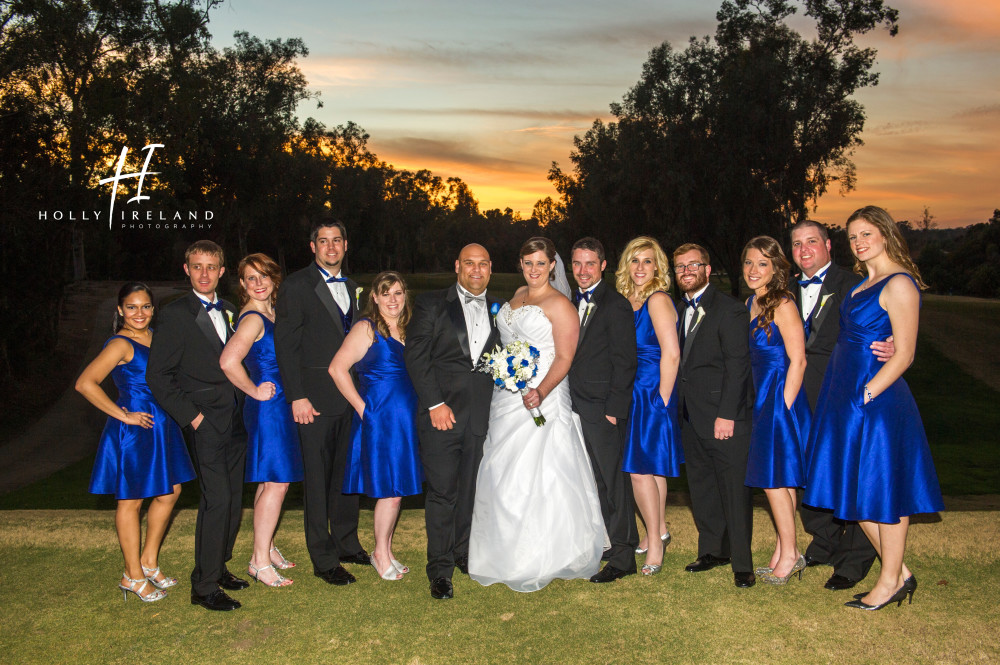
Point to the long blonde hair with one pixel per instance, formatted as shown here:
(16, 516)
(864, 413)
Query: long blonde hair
(661, 276)
(895, 245)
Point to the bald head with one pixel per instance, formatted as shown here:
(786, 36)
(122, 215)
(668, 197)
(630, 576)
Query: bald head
(473, 268)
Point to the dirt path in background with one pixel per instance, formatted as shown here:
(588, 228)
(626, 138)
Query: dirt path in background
(67, 431)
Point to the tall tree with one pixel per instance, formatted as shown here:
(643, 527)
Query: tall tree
(733, 136)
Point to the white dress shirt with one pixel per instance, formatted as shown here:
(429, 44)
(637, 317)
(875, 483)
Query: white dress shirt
(217, 316)
(477, 322)
(582, 305)
(689, 311)
(810, 293)
(338, 290)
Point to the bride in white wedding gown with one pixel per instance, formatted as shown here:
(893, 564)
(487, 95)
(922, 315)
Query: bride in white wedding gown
(536, 516)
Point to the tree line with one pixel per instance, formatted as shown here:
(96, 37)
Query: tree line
(733, 136)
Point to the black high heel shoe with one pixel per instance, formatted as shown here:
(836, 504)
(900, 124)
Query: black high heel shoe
(898, 598)
(910, 583)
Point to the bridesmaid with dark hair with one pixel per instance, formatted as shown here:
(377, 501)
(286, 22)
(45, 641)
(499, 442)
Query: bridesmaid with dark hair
(383, 460)
(781, 410)
(141, 453)
(274, 458)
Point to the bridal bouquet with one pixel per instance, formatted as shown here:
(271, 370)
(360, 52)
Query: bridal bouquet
(511, 368)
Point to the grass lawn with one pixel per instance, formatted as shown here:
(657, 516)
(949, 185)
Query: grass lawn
(61, 560)
(60, 604)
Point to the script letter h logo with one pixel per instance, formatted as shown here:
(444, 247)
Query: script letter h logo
(118, 176)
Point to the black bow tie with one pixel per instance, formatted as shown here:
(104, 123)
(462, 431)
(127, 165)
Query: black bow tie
(209, 306)
(582, 295)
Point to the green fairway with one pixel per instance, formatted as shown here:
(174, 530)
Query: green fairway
(61, 605)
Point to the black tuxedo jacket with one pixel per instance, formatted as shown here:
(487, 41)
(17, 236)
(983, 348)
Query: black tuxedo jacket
(183, 372)
(440, 363)
(308, 332)
(825, 326)
(603, 369)
(715, 365)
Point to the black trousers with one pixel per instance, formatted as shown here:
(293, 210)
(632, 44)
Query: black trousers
(219, 459)
(720, 501)
(841, 544)
(605, 447)
(451, 463)
(331, 518)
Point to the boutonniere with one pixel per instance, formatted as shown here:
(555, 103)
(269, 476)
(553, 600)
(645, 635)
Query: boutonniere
(822, 301)
(588, 310)
(357, 296)
(698, 316)
(229, 316)
(494, 310)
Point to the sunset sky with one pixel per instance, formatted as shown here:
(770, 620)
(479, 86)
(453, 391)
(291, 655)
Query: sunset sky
(494, 92)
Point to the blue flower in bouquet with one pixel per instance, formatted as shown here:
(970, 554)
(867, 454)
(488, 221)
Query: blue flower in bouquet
(521, 366)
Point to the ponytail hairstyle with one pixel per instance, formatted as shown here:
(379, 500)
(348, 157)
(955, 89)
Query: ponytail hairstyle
(777, 289)
(128, 289)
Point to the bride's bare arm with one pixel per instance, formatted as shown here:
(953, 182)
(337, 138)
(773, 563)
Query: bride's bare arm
(565, 332)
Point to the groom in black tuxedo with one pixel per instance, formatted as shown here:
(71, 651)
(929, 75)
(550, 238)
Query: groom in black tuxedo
(716, 408)
(313, 312)
(600, 383)
(821, 289)
(448, 333)
(184, 376)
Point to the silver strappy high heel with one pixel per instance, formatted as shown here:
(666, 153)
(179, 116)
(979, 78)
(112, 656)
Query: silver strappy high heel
(151, 574)
(159, 594)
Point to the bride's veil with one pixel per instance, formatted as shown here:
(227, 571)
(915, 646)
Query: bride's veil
(560, 282)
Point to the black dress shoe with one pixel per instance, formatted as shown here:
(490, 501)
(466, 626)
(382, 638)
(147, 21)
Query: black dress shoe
(744, 580)
(217, 601)
(230, 582)
(706, 562)
(338, 576)
(839, 583)
(609, 574)
(442, 589)
(462, 563)
(361, 558)
(812, 561)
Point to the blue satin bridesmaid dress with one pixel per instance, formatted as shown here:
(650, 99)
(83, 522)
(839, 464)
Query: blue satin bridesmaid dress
(868, 461)
(134, 462)
(779, 435)
(653, 440)
(383, 460)
(273, 452)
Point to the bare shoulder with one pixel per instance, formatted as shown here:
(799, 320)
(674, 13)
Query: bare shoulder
(787, 312)
(661, 303)
(556, 305)
(900, 288)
